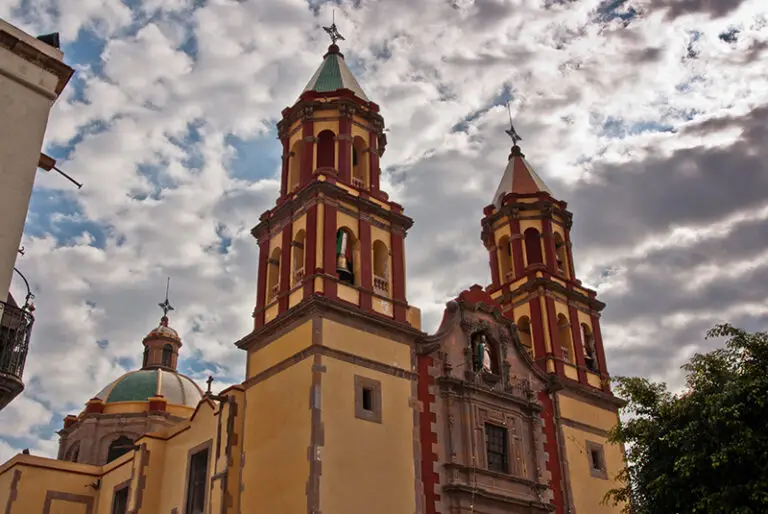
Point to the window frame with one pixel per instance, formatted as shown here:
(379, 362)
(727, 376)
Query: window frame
(597, 472)
(193, 452)
(504, 438)
(374, 386)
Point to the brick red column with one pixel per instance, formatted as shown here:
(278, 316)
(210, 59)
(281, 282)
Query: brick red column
(549, 245)
(329, 250)
(345, 149)
(366, 268)
(554, 333)
(284, 173)
(493, 260)
(261, 288)
(307, 151)
(537, 333)
(310, 250)
(398, 274)
(553, 452)
(517, 247)
(569, 252)
(578, 344)
(373, 163)
(596, 333)
(286, 267)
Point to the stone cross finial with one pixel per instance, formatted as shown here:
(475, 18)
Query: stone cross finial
(209, 382)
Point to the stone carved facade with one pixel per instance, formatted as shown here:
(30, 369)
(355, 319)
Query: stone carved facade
(467, 401)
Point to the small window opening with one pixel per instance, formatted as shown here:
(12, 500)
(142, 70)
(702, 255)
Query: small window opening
(597, 460)
(368, 399)
(119, 447)
(167, 355)
(120, 501)
(496, 448)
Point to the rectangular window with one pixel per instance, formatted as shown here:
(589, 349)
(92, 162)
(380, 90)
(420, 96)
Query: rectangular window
(367, 399)
(196, 482)
(120, 501)
(496, 448)
(596, 457)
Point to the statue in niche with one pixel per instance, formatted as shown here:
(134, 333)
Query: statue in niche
(481, 354)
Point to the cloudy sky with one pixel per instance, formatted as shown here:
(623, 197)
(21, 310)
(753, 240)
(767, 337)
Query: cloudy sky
(647, 116)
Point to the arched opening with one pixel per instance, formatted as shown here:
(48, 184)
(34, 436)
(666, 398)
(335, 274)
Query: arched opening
(346, 263)
(145, 359)
(326, 149)
(360, 172)
(298, 257)
(561, 255)
(294, 168)
(167, 355)
(524, 331)
(533, 246)
(73, 453)
(118, 447)
(564, 337)
(380, 268)
(273, 275)
(484, 356)
(590, 355)
(505, 258)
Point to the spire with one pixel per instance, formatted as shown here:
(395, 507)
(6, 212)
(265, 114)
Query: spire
(519, 177)
(166, 305)
(334, 74)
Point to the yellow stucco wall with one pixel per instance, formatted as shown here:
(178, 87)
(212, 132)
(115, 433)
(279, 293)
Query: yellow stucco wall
(367, 466)
(365, 344)
(276, 437)
(280, 349)
(116, 475)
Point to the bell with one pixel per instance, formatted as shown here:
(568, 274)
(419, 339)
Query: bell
(341, 264)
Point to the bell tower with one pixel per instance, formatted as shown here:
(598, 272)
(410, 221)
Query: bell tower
(331, 370)
(527, 233)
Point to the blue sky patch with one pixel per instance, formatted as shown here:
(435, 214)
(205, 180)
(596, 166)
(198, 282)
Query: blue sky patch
(255, 159)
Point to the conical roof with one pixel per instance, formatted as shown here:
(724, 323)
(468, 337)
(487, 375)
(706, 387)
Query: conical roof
(519, 177)
(334, 74)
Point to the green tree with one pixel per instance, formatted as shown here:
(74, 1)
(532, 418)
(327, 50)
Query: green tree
(705, 450)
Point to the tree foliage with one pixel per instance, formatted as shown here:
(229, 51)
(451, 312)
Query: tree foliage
(705, 450)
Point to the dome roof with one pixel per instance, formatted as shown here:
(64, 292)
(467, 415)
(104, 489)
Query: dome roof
(163, 331)
(139, 386)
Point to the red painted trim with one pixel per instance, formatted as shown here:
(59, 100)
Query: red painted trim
(429, 478)
(310, 250)
(398, 275)
(366, 269)
(345, 148)
(600, 354)
(553, 452)
(285, 268)
(517, 247)
(284, 173)
(569, 252)
(557, 351)
(373, 163)
(329, 249)
(261, 289)
(307, 152)
(537, 332)
(549, 245)
(578, 344)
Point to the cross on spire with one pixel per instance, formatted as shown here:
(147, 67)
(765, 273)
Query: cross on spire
(209, 382)
(511, 132)
(166, 305)
(332, 31)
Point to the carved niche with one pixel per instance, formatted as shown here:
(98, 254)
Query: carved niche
(485, 354)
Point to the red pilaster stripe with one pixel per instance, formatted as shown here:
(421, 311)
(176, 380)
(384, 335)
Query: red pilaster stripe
(549, 245)
(569, 252)
(307, 151)
(310, 250)
(261, 289)
(329, 249)
(553, 452)
(284, 173)
(398, 274)
(345, 147)
(557, 351)
(286, 267)
(600, 353)
(429, 478)
(578, 344)
(517, 247)
(493, 261)
(366, 271)
(537, 332)
(373, 163)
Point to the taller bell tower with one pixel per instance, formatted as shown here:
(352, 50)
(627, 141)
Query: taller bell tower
(527, 233)
(331, 420)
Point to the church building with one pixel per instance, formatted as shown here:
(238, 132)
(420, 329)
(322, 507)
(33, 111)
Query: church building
(347, 406)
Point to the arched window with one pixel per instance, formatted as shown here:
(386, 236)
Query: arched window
(167, 355)
(360, 171)
(524, 331)
(145, 360)
(73, 453)
(118, 447)
(533, 246)
(561, 255)
(294, 168)
(380, 268)
(564, 337)
(505, 259)
(590, 355)
(326, 151)
(273, 275)
(345, 256)
(298, 257)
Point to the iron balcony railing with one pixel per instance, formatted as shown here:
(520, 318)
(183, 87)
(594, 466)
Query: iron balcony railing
(15, 329)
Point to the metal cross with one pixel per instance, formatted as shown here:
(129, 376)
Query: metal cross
(333, 32)
(209, 382)
(511, 132)
(166, 305)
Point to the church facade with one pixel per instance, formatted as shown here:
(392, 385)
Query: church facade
(347, 405)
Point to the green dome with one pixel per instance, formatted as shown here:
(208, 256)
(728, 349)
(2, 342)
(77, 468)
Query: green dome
(139, 386)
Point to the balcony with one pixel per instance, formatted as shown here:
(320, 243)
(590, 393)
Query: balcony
(15, 329)
(359, 183)
(381, 285)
